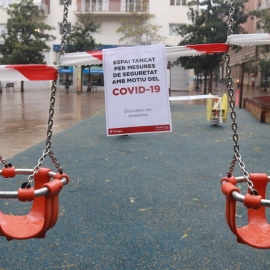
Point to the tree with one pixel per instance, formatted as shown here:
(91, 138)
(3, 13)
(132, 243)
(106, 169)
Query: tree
(251, 67)
(209, 25)
(26, 37)
(81, 38)
(263, 24)
(264, 19)
(264, 65)
(137, 30)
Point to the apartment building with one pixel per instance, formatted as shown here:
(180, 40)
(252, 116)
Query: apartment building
(108, 14)
(241, 58)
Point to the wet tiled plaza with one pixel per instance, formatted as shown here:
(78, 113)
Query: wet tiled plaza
(24, 116)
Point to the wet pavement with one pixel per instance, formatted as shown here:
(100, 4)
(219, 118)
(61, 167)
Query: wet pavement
(24, 116)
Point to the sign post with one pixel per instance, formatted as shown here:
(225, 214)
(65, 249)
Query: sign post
(136, 90)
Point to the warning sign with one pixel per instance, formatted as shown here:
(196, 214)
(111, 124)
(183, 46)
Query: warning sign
(136, 92)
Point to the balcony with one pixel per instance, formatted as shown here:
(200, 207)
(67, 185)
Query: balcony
(43, 6)
(112, 7)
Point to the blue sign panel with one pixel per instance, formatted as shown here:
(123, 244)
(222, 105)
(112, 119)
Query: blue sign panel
(66, 70)
(96, 71)
(57, 48)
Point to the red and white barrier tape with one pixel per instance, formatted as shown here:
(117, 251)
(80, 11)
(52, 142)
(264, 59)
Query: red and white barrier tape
(95, 57)
(27, 73)
(192, 50)
(43, 72)
(81, 58)
(248, 39)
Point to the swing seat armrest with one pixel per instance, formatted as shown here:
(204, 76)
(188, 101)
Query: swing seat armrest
(54, 188)
(8, 172)
(228, 188)
(26, 194)
(61, 176)
(252, 201)
(231, 180)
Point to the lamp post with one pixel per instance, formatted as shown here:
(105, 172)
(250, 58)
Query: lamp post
(89, 85)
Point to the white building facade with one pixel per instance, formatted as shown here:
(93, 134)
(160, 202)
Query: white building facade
(108, 14)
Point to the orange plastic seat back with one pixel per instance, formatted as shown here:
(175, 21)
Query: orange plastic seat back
(43, 214)
(257, 232)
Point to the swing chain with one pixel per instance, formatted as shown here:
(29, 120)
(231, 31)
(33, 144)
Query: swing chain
(237, 155)
(231, 20)
(55, 162)
(4, 162)
(48, 150)
(64, 30)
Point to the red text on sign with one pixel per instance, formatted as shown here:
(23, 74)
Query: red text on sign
(136, 90)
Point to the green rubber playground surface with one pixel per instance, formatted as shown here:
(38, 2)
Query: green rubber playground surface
(149, 201)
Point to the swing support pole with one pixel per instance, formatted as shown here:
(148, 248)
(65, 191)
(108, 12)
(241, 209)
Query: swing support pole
(242, 84)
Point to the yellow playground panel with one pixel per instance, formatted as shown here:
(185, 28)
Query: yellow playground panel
(217, 109)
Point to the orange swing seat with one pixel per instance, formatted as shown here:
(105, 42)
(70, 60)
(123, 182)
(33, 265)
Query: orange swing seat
(257, 232)
(44, 212)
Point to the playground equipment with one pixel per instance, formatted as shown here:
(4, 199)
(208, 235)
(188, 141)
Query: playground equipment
(257, 232)
(44, 212)
(47, 185)
(217, 109)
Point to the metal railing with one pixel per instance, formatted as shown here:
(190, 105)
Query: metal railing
(42, 6)
(120, 6)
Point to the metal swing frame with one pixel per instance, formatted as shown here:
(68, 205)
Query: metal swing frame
(257, 232)
(47, 184)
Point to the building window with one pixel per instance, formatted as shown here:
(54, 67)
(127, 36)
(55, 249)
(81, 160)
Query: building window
(63, 1)
(68, 26)
(96, 5)
(174, 29)
(135, 6)
(3, 29)
(5, 3)
(178, 2)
